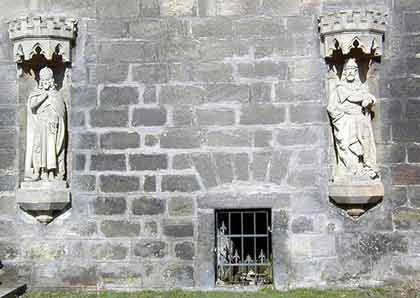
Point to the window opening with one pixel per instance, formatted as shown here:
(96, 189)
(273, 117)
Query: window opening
(243, 247)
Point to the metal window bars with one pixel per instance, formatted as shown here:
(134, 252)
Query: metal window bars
(243, 247)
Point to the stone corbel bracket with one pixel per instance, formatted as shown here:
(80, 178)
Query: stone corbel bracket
(349, 29)
(48, 36)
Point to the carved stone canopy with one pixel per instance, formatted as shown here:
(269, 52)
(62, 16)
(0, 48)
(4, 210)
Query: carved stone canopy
(349, 29)
(48, 36)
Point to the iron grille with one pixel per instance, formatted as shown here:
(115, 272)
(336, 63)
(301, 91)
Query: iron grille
(243, 247)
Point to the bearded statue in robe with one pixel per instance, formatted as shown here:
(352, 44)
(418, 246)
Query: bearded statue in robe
(350, 109)
(46, 131)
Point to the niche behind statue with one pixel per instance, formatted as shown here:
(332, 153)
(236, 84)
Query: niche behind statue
(44, 95)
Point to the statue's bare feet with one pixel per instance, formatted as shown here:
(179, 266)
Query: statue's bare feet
(44, 175)
(51, 176)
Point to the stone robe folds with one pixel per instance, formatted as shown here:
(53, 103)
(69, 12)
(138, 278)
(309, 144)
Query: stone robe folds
(45, 132)
(353, 134)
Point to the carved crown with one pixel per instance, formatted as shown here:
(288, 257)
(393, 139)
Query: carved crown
(350, 29)
(44, 35)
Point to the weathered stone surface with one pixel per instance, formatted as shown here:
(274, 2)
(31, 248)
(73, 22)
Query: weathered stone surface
(262, 114)
(264, 70)
(227, 93)
(148, 162)
(229, 138)
(279, 166)
(107, 251)
(118, 183)
(83, 183)
(179, 276)
(109, 118)
(145, 29)
(405, 174)
(151, 228)
(203, 163)
(149, 117)
(298, 136)
(377, 245)
(7, 206)
(259, 165)
(180, 206)
(183, 115)
(181, 161)
(406, 131)
(9, 139)
(413, 154)
(215, 117)
(120, 228)
(149, 184)
(109, 205)
(151, 249)
(151, 73)
(119, 96)
(83, 97)
(77, 119)
(181, 183)
(180, 138)
(241, 166)
(406, 218)
(8, 250)
(7, 160)
(149, 95)
(224, 167)
(111, 73)
(212, 72)
(302, 224)
(177, 229)
(181, 95)
(88, 140)
(8, 117)
(184, 250)
(110, 9)
(148, 206)
(120, 140)
(212, 27)
(175, 8)
(308, 113)
(108, 162)
(151, 140)
(260, 92)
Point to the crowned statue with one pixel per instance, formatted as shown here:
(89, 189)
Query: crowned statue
(350, 109)
(46, 131)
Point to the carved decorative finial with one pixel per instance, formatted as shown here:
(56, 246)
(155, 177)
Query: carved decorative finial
(349, 29)
(42, 35)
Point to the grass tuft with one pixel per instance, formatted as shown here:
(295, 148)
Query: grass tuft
(265, 293)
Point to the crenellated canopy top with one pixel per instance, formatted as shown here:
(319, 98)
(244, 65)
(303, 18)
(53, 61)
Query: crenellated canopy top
(50, 36)
(349, 29)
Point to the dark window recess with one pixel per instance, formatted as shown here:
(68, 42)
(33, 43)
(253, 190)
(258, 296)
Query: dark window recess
(243, 247)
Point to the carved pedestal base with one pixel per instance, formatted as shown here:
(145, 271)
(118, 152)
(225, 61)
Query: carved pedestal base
(356, 198)
(43, 199)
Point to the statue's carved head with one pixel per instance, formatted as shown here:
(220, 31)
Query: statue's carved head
(46, 79)
(351, 70)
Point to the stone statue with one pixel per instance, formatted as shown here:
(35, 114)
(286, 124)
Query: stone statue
(350, 109)
(46, 131)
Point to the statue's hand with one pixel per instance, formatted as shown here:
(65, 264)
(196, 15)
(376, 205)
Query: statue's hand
(366, 102)
(373, 98)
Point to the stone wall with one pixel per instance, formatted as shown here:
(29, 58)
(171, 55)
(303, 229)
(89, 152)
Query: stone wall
(182, 107)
